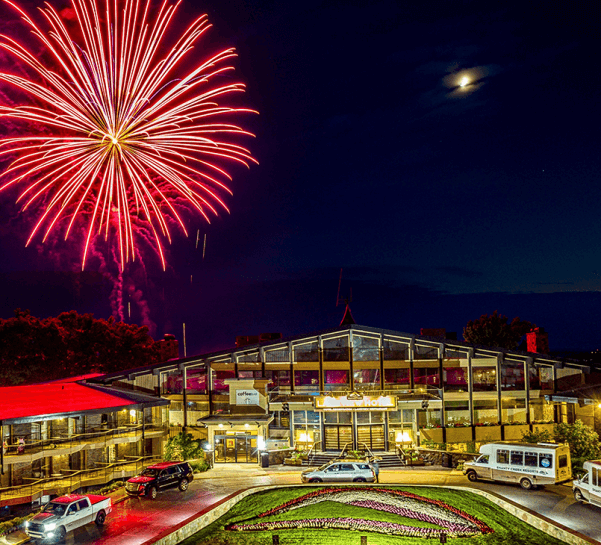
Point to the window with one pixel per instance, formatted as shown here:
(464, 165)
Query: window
(196, 380)
(517, 458)
(336, 379)
(485, 411)
(426, 376)
(513, 410)
(502, 456)
(366, 377)
(396, 377)
(484, 378)
(347, 467)
(483, 459)
(306, 378)
(82, 504)
(454, 377)
(220, 377)
(512, 376)
(531, 459)
(457, 413)
(562, 461)
(363, 466)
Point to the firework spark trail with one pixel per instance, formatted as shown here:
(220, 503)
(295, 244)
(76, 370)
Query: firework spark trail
(130, 136)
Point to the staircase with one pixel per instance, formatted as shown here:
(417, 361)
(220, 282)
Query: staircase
(320, 458)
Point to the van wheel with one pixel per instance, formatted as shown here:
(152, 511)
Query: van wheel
(100, 517)
(61, 533)
(526, 484)
(314, 480)
(472, 476)
(578, 496)
(359, 480)
(183, 485)
(152, 493)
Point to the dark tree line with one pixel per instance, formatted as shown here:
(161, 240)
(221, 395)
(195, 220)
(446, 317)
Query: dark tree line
(496, 330)
(38, 350)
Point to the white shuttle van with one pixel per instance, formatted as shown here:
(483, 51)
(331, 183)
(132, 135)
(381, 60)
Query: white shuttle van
(588, 487)
(530, 464)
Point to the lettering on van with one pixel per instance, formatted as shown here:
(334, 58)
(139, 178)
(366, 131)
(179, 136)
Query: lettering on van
(525, 470)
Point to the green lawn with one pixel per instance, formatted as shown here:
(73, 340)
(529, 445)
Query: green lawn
(507, 529)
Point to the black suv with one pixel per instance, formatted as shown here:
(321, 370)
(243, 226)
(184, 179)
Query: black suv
(159, 477)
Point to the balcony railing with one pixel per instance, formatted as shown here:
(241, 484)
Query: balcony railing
(34, 489)
(406, 394)
(34, 450)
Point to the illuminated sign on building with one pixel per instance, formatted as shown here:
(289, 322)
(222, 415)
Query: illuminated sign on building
(363, 403)
(247, 397)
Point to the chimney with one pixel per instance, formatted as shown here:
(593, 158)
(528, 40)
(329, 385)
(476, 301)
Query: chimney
(537, 341)
(168, 347)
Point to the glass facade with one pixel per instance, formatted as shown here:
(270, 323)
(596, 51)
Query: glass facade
(445, 387)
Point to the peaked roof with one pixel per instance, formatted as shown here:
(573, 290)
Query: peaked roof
(348, 319)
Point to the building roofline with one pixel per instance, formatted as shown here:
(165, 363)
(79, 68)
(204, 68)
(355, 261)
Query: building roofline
(476, 350)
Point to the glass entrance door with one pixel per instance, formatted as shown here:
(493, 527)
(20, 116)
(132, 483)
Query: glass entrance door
(338, 436)
(372, 436)
(239, 449)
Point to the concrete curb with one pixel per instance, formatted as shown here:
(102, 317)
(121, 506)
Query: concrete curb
(194, 524)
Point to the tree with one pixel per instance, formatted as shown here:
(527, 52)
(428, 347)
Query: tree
(183, 446)
(494, 330)
(583, 441)
(34, 350)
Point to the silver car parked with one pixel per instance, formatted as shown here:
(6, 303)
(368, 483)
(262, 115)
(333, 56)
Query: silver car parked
(335, 472)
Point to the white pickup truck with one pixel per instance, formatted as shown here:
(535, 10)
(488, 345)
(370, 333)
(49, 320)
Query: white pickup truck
(588, 486)
(61, 515)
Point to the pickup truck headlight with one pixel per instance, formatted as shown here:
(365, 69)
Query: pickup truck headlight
(49, 527)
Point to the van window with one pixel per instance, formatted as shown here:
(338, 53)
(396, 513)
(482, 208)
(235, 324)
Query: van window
(531, 459)
(517, 458)
(502, 456)
(562, 461)
(545, 460)
(595, 477)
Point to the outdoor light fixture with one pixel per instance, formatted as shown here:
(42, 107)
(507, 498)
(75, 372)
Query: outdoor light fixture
(221, 425)
(246, 425)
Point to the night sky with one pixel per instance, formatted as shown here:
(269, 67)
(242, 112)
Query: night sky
(439, 203)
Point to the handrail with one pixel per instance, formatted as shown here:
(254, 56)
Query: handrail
(371, 454)
(311, 449)
(53, 443)
(343, 449)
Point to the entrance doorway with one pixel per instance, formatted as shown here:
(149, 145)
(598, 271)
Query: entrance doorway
(372, 436)
(240, 449)
(338, 436)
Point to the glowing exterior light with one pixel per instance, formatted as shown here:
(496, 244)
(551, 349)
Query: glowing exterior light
(221, 425)
(246, 426)
(118, 138)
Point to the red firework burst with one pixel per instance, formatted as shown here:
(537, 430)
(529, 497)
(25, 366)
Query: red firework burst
(126, 138)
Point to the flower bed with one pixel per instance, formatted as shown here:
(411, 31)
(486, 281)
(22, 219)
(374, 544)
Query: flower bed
(446, 518)
(325, 515)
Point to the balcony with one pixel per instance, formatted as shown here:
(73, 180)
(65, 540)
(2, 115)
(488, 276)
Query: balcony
(61, 445)
(33, 489)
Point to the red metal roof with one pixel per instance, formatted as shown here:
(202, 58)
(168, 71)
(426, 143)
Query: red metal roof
(55, 398)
